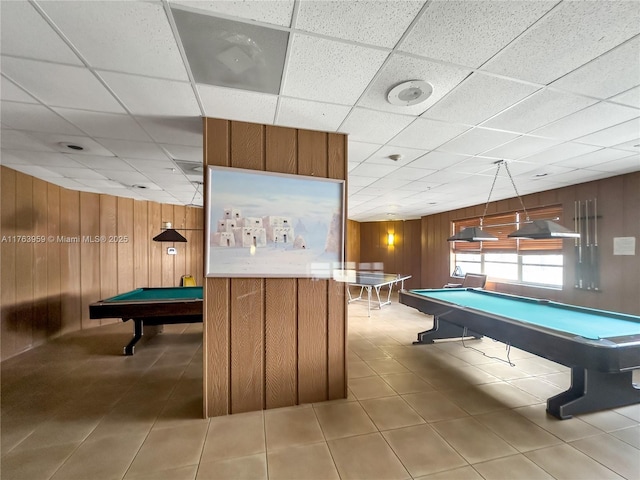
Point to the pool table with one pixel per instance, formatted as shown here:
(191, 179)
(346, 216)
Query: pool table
(601, 347)
(151, 306)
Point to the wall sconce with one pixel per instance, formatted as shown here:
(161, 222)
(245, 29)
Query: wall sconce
(390, 239)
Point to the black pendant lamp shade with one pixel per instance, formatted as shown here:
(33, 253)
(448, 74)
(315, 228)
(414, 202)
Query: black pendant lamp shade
(472, 234)
(169, 235)
(542, 230)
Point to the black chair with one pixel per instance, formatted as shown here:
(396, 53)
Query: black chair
(471, 280)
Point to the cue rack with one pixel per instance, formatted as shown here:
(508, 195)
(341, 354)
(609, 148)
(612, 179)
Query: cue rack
(587, 271)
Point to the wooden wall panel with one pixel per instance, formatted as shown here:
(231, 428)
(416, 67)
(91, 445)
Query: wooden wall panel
(281, 149)
(247, 145)
(247, 344)
(54, 308)
(167, 261)
(55, 280)
(312, 153)
(125, 244)
(8, 261)
(89, 254)
(155, 248)
(23, 334)
(180, 260)
(216, 348)
(141, 240)
(70, 287)
(353, 242)
(336, 341)
(312, 341)
(281, 342)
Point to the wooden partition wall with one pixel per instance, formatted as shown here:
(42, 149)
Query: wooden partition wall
(273, 342)
(62, 250)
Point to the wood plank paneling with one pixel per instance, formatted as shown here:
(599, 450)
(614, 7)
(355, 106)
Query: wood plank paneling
(281, 342)
(353, 242)
(108, 249)
(247, 344)
(336, 341)
(89, 254)
(312, 153)
(312, 340)
(180, 260)
(23, 335)
(54, 308)
(141, 241)
(247, 145)
(281, 149)
(124, 242)
(155, 248)
(8, 261)
(167, 261)
(216, 351)
(70, 287)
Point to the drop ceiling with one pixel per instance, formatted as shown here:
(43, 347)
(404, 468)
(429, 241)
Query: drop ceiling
(553, 87)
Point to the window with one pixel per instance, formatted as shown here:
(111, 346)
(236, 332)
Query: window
(529, 262)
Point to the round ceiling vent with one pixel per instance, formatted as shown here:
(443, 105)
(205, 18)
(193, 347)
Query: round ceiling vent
(409, 93)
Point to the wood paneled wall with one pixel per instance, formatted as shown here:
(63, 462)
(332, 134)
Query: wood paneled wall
(353, 242)
(273, 342)
(619, 212)
(403, 257)
(47, 286)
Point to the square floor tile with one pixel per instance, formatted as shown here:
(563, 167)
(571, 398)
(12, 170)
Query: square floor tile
(343, 420)
(391, 412)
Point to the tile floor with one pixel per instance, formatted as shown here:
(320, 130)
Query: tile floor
(76, 409)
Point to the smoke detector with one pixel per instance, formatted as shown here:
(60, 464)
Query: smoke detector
(409, 93)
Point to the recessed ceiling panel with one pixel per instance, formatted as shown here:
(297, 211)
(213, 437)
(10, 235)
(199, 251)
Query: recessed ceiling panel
(232, 104)
(311, 115)
(34, 118)
(13, 93)
(477, 141)
(277, 12)
(232, 54)
(630, 97)
(371, 126)
(106, 125)
(427, 134)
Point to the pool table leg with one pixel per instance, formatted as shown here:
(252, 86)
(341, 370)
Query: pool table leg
(443, 329)
(591, 391)
(137, 335)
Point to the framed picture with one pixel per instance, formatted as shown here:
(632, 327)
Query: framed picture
(265, 224)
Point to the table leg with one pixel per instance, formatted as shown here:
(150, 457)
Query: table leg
(137, 335)
(591, 391)
(443, 329)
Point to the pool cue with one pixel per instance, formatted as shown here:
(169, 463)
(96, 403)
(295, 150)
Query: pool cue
(587, 245)
(576, 214)
(594, 251)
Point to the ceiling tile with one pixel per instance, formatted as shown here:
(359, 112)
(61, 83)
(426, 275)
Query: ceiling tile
(324, 70)
(45, 159)
(408, 155)
(371, 126)
(614, 72)
(560, 153)
(59, 143)
(609, 137)
(130, 37)
(572, 34)
(632, 145)
(478, 98)
(151, 166)
(622, 165)
(78, 173)
(106, 125)
(538, 110)
(17, 140)
(409, 173)
(373, 170)
(597, 157)
(420, 185)
(427, 134)
(359, 151)
(68, 183)
(630, 97)
(360, 181)
(35, 118)
(233, 104)
(130, 149)
(576, 176)
(75, 87)
(180, 152)
(125, 178)
(437, 160)
(24, 33)
(227, 53)
(450, 30)
(352, 165)
(151, 96)
(174, 130)
(373, 22)
(11, 92)
(101, 183)
(402, 68)
(589, 120)
(474, 165)
(477, 141)
(293, 112)
(36, 171)
(105, 163)
(521, 146)
(277, 12)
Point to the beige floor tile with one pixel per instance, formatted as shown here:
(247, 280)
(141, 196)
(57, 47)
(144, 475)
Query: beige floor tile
(36, 464)
(182, 473)
(239, 435)
(631, 411)
(565, 462)
(370, 387)
(385, 366)
(433, 406)
(106, 458)
(292, 426)
(391, 412)
(359, 369)
(503, 371)
(308, 462)
(472, 440)
(343, 420)
(366, 457)
(607, 420)
(537, 387)
(422, 451)
(168, 448)
(629, 435)
(407, 383)
(566, 430)
(474, 400)
(244, 468)
(508, 395)
(517, 467)
(464, 473)
(612, 453)
(517, 431)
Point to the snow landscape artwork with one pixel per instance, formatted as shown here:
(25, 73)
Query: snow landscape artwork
(264, 224)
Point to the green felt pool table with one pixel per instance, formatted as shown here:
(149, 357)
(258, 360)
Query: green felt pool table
(151, 306)
(601, 347)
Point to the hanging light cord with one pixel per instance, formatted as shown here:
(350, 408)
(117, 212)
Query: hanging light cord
(486, 205)
(506, 166)
(195, 194)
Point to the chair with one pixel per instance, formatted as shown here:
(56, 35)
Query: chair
(471, 280)
(187, 281)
